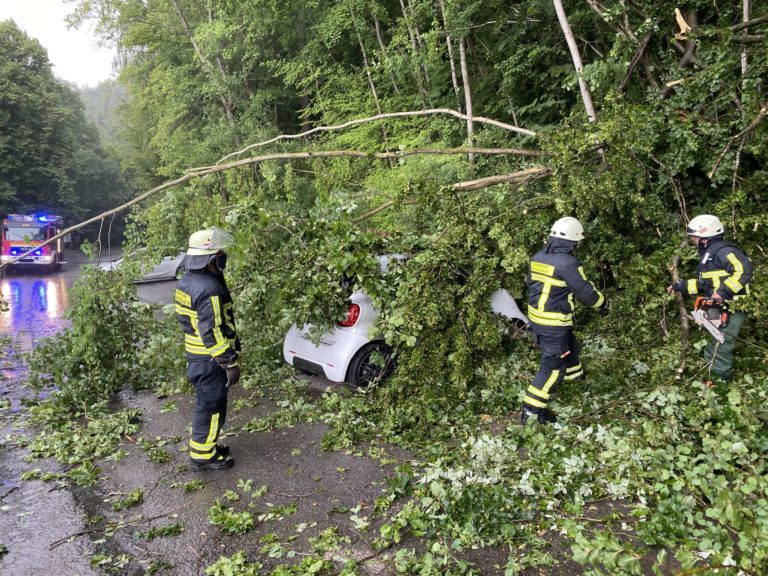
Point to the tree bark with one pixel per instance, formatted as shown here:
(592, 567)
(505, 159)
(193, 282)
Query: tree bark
(467, 97)
(451, 60)
(744, 18)
(406, 114)
(684, 324)
(586, 95)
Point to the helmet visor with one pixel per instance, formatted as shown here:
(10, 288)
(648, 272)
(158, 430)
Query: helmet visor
(210, 241)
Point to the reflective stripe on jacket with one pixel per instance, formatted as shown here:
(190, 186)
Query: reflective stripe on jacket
(204, 310)
(722, 268)
(555, 276)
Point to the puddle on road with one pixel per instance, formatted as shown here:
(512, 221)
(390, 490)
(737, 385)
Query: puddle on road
(36, 307)
(33, 514)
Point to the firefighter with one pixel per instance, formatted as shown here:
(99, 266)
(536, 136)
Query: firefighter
(723, 274)
(555, 276)
(204, 310)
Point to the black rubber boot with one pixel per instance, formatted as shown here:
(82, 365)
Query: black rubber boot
(219, 463)
(544, 416)
(222, 449)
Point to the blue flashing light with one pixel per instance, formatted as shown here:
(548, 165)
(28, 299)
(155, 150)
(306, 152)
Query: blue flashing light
(43, 218)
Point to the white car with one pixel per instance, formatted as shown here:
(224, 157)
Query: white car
(169, 268)
(346, 353)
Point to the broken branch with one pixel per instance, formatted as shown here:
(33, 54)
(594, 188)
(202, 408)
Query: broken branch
(754, 124)
(406, 114)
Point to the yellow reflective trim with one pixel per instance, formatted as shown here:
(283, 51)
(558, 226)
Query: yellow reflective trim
(546, 322)
(573, 369)
(201, 447)
(229, 315)
(733, 285)
(193, 339)
(550, 381)
(600, 299)
(541, 268)
(213, 431)
(581, 271)
(202, 455)
(185, 311)
(534, 402)
(714, 274)
(202, 350)
(548, 280)
(738, 270)
(538, 393)
(218, 350)
(221, 343)
(549, 315)
(573, 376)
(692, 288)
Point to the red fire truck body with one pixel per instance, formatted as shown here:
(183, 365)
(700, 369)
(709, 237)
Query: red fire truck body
(22, 233)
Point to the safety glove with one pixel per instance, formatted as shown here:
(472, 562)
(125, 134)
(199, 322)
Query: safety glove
(232, 368)
(605, 307)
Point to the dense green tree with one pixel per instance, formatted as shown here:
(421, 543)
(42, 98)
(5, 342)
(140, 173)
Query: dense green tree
(678, 129)
(51, 157)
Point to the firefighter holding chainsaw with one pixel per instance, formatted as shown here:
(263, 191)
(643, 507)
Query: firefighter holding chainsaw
(723, 276)
(554, 278)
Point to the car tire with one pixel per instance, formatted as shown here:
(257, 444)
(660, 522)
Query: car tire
(364, 370)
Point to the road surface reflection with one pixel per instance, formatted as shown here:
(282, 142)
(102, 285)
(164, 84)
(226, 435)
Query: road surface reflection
(35, 307)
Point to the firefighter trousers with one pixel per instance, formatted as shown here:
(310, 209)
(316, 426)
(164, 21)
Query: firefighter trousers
(210, 383)
(559, 362)
(720, 356)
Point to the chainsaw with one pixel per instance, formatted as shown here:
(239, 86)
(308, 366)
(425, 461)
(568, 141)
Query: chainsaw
(713, 315)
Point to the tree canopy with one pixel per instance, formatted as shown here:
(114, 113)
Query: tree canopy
(675, 129)
(51, 156)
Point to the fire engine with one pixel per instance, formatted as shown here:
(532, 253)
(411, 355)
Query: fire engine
(24, 232)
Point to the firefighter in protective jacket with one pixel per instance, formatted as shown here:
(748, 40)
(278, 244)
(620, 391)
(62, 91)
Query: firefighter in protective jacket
(204, 310)
(554, 278)
(723, 274)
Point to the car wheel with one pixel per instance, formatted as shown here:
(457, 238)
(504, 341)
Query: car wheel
(373, 363)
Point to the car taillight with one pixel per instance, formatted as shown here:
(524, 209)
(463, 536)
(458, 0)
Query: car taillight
(353, 313)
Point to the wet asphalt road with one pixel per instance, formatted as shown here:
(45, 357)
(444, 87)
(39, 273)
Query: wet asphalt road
(36, 517)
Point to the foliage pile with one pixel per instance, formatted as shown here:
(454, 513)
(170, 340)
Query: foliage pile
(679, 131)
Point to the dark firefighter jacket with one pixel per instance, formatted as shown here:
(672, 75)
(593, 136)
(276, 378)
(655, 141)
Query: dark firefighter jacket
(722, 268)
(555, 276)
(204, 310)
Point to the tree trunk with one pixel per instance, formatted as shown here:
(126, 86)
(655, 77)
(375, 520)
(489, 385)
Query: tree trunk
(371, 83)
(384, 53)
(413, 34)
(745, 18)
(586, 96)
(451, 60)
(467, 97)
(226, 101)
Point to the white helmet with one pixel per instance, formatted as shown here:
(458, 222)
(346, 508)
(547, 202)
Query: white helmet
(207, 242)
(705, 226)
(568, 228)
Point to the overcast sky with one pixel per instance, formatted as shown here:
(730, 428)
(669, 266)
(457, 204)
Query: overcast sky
(73, 53)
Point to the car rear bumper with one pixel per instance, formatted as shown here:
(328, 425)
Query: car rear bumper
(329, 358)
